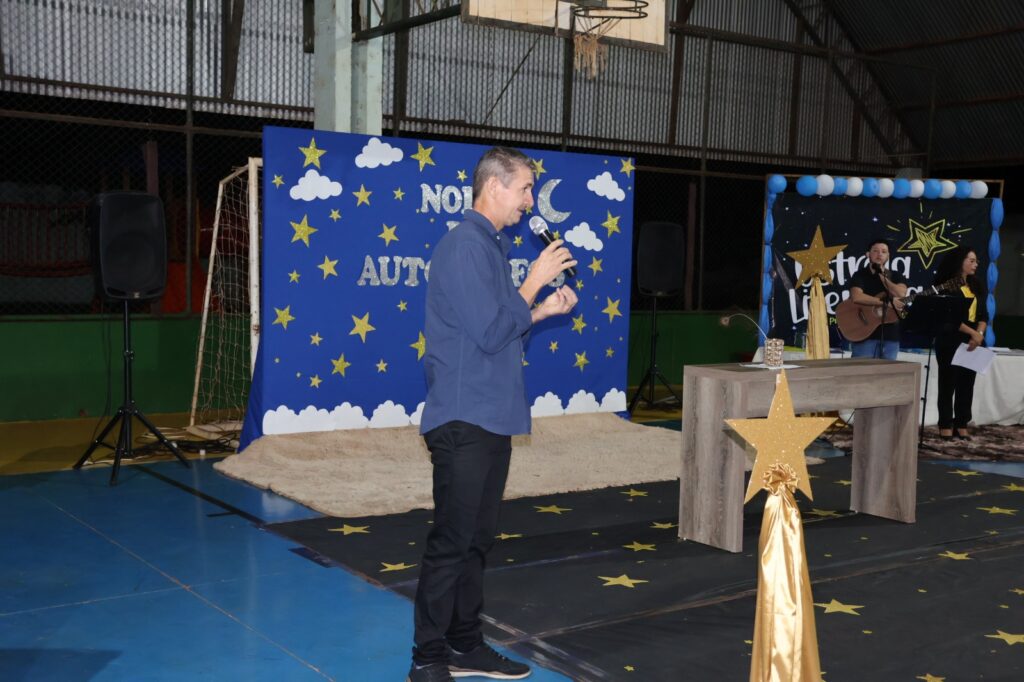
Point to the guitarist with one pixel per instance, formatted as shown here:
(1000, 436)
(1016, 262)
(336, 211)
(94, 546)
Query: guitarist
(875, 286)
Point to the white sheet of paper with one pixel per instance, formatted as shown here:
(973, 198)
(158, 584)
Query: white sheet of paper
(978, 359)
(761, 365)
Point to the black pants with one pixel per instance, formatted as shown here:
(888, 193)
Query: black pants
(956, 385)
(470, 468)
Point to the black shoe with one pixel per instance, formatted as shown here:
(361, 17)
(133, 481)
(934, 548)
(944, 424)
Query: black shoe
(962, 436)
(486, 662)
(435, 672)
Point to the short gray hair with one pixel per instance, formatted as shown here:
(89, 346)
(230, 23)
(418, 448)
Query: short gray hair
(499, 162)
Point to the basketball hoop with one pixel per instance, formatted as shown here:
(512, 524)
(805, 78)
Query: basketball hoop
(592, 20)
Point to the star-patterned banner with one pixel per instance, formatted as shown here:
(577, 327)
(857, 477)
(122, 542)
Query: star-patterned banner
(831, 235)
(349, 224)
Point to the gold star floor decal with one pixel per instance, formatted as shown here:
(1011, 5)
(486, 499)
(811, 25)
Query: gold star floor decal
(836, 606)
(622, 581)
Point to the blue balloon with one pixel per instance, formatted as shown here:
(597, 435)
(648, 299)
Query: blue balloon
(963, 189)
(840, 188)
(776, 184)
(932, 188)
(870, 187)
(901, 188)
(807, 185)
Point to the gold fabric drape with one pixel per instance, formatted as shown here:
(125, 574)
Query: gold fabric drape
(817, 324)
(785, 642)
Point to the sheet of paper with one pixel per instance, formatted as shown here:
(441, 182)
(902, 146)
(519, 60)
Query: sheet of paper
(761, 365)
(978, 359)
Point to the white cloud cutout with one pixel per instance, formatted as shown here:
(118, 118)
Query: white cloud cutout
(581, 401)
(584, 237)
(348, 416)
(377, 153)
(389, 414)
(416, 417)
(284, 420)
(312, 186)
(547, 405)
(613, 401)
(604, 185)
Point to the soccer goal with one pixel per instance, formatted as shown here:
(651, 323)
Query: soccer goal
(230, 331)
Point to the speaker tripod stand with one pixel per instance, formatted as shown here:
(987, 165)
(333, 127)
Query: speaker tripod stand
(125, 413)
(653, 373)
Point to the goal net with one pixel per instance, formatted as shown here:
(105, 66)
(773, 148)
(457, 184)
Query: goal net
(229, 333)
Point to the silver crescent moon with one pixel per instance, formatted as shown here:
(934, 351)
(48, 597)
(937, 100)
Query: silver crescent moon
(547, 211)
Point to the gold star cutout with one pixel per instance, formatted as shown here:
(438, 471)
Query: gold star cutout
(1007, 637)
(927, 677)
(553, 346)
(612, 309)
(315, 339)
(998, 510)
(581, 360)
(461, 175)
(382, 366)
(551, 509)
(609, 352)
(394, 567)
(293, 276)
(839, 607)
(509, 536)
(362, 326)
(420, 346)
(335, 215)
(538, 167)
(423, 156)
(611, 223)
(663, 526)
(340, 365)
(302, 231)
(578, 324)
(398, 193)
(824, 513)
(627, 166)
(960, 472)
(328, 267)
(403, 306)
(579, 285)
(312, 154)
(956, 556)
(814, 259)
(623, 581)
(1014, 488)
(781, 438)
(927, 241)
(632, 492)
(277, 181)
(628, 668)
(557, 234)
(518, 241)
(1018, 591)
(362, 196)
(639, 547)
(349, 530)
(283, 316)
(595, 265)
(844, 482)
(388, 234)
(315, 380)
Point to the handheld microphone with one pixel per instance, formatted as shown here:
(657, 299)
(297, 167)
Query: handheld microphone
(540, 228)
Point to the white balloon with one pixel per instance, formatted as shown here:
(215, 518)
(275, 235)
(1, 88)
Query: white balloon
(978, 189)
(854, 187)
(885, 188)
(825, 185)
(948, 189)
(916, 189)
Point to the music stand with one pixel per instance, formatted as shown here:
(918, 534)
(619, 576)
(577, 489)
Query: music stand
(930, 316)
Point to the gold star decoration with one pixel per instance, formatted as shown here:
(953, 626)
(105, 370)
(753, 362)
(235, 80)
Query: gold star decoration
(388, 234)
(835, 606)
(639, 547)
(595, 265)
(622, 581)
(998, 510)
(362, 326)
(553, 346)
(824, 513)
(293, 276)
(335, 215)
(815, 258)
(556, 234)
(302, 231)
(965, 474)
(394, 567)
(928, 677)
(579, 285)
(578, 324)
(509, 536)
(611, 223)
(518, 240)
(284, 316)
(362, 196)
(349, 530)
(612, 309)
(277, 181)
(633, 492)
(551, 509)
(581, 360)
(609, 352)
(627, 166)
(461, 175)
(668, 525)
(1014, 488)
(628, 668)
(382, 366)
(328, 267)
(423, 156)
(315, 339)
(956, 556)
(843, 481)
(1007, 637)
(312, 154)
(314, 381)
(781, 438)
(927, 241)
(538, 167)
(398, 193)
(1018, 591)
(403, 306)
(420, 346)
(340, 365)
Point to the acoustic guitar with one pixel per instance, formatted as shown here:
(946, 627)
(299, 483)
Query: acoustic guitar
(857, 321)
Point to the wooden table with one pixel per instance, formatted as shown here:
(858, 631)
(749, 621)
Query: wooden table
(886, 395)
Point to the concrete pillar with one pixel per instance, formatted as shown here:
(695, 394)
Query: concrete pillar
(348, 82)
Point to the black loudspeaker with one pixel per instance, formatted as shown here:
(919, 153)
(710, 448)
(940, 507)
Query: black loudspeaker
(129, 245)
(659, 258)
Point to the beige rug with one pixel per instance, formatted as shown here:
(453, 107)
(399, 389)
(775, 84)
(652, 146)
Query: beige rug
(369, 472)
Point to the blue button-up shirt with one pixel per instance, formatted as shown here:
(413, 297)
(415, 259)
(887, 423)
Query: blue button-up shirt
(475, 325)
